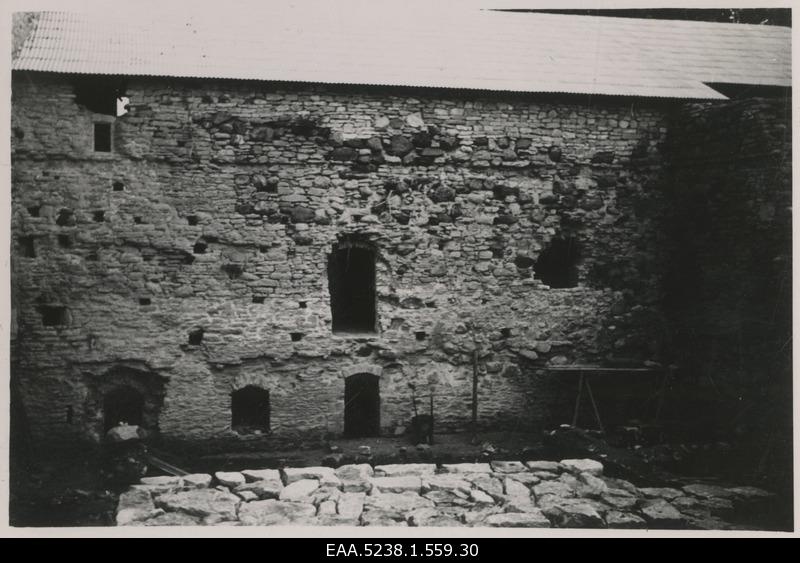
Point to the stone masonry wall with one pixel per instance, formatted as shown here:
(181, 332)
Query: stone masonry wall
(220, 202)
(730, 295)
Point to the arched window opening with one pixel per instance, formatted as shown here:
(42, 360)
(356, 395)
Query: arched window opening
(351, 280)
(250, 410)
(362, 406)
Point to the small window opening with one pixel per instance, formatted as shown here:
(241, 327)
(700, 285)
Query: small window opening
(66, 218)
(192, 220)
(351, 280)
(250, 410)
(144, 301)
(99, 216)
(137, 220)
(196, 337)
(102, 137)
(118, 186)
(28, 246)
(420, 335)
(234, 271)
(303, 304)
(53, 315)
(259, 299)
(362, 406)
(557, 264)
(296, 336)
(188, 258)
(33, 211)
(65, 241)
(200, 247)
(122, 405)
(505, 332)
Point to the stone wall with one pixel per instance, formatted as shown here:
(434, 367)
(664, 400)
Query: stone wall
(729, 295)
(220, 202)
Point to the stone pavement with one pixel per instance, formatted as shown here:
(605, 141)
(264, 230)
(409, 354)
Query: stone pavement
(535, 494)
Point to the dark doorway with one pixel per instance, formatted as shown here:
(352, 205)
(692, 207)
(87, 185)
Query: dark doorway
(557, 264)
(122, 404)
(351, 280)
(250, 409)
(362, 406)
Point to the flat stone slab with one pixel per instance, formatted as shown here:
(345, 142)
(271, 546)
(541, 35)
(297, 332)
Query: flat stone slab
(350, 505)
(478, 496)
(135, 506)
(624, 520)
(397, 505)
(517, 520)
(197, 481)
(550, 466)
(230, 479)
(508, 466)
(446, 481)
(264, 489)
(253, 475)
(172, 519)
(292, 474)
(486, 483)
(397, 484)
(299, 490)
(209, 504)
(661, 514)
(162, 481)
(432, 517)
(354, 472)
(399, 469)
(582, 466)
(573, 513)
(750, 493)
(466, 468)
(276, 513)
(513, 488)
(555, 488)
(708, 491)
(667, 493)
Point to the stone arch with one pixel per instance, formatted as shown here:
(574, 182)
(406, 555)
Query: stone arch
(243, 380)
(355, 369)
(123, 392)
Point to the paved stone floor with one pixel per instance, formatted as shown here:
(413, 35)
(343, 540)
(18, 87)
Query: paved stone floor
(536, 494)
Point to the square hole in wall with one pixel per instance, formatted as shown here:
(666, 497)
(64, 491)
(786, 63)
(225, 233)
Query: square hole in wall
(27, 246)
(144, 301)
(118, 186)
(102, 137)
(33, 211)
(192, 220)
(53, 315)
(196, 337)
(99, 216)
(137, 220)
(303, 304)
(296, 336)
(65, 241)
(258, 299)
(420, 335)
(200, 247)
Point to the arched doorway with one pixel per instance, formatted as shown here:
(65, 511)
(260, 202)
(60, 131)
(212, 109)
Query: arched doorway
(362, 406)
(122, 404)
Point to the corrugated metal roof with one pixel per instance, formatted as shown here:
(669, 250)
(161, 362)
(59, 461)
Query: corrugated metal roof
(469, 48)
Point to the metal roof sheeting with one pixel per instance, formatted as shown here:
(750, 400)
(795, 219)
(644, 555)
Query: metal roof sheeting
(469, 48)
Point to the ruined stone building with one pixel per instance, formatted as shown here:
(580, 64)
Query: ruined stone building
(310, 232)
